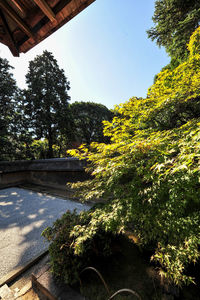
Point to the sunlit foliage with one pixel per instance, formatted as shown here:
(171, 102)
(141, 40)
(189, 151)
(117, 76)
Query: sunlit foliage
(174, 22)
(149, 175)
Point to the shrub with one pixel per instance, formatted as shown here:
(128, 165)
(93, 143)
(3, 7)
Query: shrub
(65, 263)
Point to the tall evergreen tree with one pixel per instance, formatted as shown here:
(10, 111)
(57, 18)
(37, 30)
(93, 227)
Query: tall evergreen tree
(175, 21)
(8, 92)
(47, 99)
(21, 129)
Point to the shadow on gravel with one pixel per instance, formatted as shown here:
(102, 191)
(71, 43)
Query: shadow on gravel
(24, 214)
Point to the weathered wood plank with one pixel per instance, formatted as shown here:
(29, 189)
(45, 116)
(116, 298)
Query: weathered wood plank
(46, 9)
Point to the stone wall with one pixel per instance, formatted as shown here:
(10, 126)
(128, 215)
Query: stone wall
(47, 172)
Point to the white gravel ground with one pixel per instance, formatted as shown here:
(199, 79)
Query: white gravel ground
(24, 214)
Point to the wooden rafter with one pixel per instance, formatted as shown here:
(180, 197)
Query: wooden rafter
(46, 9)
(13, 15)
(13, 48)
(19, 6)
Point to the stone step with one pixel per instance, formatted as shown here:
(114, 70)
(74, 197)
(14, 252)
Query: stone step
(45, 284)
(6, 293)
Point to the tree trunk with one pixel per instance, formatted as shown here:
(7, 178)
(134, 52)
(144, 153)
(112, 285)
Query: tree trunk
(50, 144)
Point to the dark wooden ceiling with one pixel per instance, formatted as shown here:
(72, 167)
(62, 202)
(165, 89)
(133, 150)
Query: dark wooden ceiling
(25, 23)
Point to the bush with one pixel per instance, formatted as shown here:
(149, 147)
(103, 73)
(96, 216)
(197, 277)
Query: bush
(65, 263)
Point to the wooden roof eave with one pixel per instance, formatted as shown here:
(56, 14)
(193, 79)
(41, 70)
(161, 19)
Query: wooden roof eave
(24, 23)
(46, 9)
(11, 43)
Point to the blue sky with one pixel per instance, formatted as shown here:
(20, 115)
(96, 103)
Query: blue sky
(104, 51)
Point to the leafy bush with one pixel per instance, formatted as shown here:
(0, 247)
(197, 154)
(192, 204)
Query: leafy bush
(65, 264)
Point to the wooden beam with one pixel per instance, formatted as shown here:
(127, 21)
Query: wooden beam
(46, 9)
(14, 16)
(20, 6)
(13, 47)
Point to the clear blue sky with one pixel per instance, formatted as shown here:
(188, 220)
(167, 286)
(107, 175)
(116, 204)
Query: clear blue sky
(104, 51)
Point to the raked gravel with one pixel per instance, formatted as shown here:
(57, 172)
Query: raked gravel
(24, 214)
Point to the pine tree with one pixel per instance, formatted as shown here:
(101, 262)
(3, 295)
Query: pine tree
(8, 91)
(175, 21)
(47, 99)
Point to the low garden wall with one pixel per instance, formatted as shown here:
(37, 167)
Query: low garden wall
(47, 172)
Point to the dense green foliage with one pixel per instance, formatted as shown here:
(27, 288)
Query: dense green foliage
(175, 21)
(65, 264)
(38, 122)
(29, 116)
(47, 99)
(87, 118)
(8, 114)
(149, 175)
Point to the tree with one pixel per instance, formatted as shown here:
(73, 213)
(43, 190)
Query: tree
(88, 120)
(175, 21)
(22, 129)
(148, 175)
(47, 99)
(8, 95)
